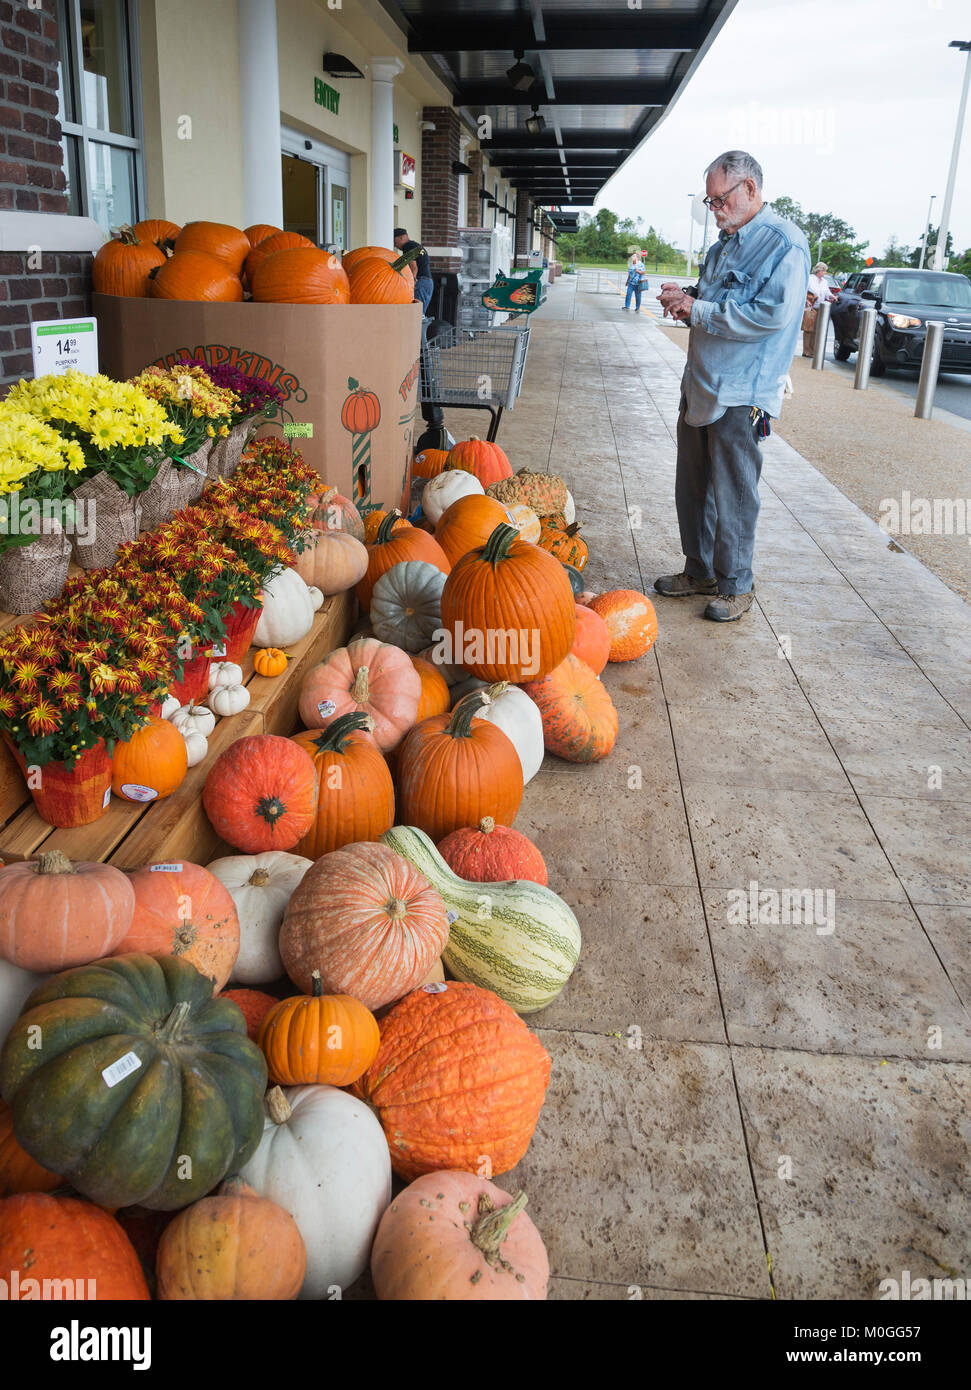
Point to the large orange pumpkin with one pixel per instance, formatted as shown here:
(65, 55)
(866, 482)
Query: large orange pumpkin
(355, 794)
(261, 793)
(260, 231)
(391, 546)
(592, 640)
(368, 921)
(454, 769)
(458, 1078)
(579, 719)
(383, 253)
(631, 622)
(18, 1171)
(191, 275)
(374, 280)
(483, 460)
(468, 523)
(509, 608)
(217, 239)
(158, 231)
(368, 677)
(182, 909)
(276, 241)
(122, 265)
(151, 764)
(320, 1039)
(372, 525)
(55, 913)
(303, 275)
(48, 1238)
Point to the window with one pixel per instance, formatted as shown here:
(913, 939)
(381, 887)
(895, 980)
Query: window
(99, 110)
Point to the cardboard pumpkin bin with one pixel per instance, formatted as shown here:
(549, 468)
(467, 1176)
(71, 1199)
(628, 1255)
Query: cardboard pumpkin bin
(348, 373)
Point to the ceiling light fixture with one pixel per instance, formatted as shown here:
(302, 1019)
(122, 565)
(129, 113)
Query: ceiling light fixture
(535, 123)
(521, 75)
(336, 65)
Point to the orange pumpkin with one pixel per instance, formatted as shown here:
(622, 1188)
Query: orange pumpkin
(366, 676)
(565, 543)
(18, 1171)
(509, 608)
(319, 1040)
(333, 512)
(368, 921)
(372, 525)
(151, 764)
(158, 231)
(332, 561)
(355, 794)
(592, 640)
(467, 524)
(254, 1005)
(49, 1238)
(55, 914)
(217, 239)
(303, 275)
(454, 769)
(435, 697)
(579, 719)
(191, 275)
(260, 231)
(374, 280)
(483, 460)
(182, 909)
(270, 661)
(276, 241)
(429, 463)
(390, 547)
(383, 253)
(490, 853)
(261, 793)
(631, 622)
(123, 264)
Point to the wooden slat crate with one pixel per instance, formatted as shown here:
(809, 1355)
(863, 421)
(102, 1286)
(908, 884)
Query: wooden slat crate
(131, 833)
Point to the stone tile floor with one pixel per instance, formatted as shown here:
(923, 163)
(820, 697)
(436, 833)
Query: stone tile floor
(740, 1109)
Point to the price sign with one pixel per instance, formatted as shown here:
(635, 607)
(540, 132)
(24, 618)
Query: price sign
(64, 345)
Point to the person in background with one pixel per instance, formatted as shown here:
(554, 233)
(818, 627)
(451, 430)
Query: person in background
(636, 277)
(424, 284)
(818, 293)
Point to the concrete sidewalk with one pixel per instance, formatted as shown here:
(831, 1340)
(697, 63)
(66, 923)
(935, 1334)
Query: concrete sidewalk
(748, 1109)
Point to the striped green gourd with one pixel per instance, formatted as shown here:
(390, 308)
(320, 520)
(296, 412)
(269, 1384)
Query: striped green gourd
(516, 938)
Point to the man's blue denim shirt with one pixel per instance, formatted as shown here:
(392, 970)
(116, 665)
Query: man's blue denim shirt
(747, 318)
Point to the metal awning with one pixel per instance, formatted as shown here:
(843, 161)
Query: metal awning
(606, 75)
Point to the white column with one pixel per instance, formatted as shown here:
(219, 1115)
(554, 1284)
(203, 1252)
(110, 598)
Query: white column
(259, 107)
(380, 218)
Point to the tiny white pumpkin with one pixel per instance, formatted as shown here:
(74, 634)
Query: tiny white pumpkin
(511, 710)
(441, 491)
(225, 673)
(169, 705)
(193, 718)
(317, 595)
(260, 885)
(229, 699)
(288, 610)
(196, 746)
(406, 604)
(569, 511)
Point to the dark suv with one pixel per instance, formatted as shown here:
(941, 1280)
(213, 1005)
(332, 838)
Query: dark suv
(905, 300)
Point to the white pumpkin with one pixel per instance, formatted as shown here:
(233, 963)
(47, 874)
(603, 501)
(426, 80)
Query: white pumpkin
(260, 885)
(196, 746)
(317, 595)
(288, 610)
(569, 511)
(169, 705)
(511, 710)
(323, 1157)
(229, 699)
(15, 985)
(193, 718)
(441, 491)
(225, 673)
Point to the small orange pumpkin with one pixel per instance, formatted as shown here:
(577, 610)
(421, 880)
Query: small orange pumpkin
(259, 232)
(372, 525)
(182, 909)
(192, 275)
(270, 661)
(631, 622)
(579, 718)
(566, 545)
(158, 231)
(151, 764)
(429, 463)
(319, 1039)
(374, 281)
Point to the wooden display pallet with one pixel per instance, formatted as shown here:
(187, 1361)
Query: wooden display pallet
(133, 833)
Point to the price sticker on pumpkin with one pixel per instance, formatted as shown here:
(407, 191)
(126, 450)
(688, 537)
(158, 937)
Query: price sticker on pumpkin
(104, 803)
(218, 651)
(165, 869)
(134, 791)
(120, 1069)
(436, 987)
(451, 916)
(326, 708)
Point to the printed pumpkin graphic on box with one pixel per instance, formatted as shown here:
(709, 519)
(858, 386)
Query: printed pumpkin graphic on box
(360, 416)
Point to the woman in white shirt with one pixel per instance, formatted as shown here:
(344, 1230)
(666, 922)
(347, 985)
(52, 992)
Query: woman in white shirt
(817, 292)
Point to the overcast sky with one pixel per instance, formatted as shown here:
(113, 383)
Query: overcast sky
(849, 106)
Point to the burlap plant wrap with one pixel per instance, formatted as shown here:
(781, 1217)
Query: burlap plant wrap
(227, 452)
(174, 487)
(114, 520)
(32, 574)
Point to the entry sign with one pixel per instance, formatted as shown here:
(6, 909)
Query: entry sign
(64, 345)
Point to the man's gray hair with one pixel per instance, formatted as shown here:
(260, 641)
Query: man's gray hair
(736, 164)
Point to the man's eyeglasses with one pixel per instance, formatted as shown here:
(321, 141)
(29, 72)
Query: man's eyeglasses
(716, 204)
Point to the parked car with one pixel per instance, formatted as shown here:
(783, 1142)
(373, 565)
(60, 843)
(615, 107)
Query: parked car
(905, 300)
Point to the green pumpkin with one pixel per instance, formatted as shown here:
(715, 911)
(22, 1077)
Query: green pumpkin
(160, 1134)
(577, 581)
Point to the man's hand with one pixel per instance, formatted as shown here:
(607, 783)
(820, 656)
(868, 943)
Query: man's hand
(675, 302)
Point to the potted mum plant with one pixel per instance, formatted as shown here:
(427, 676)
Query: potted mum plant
(204, 413)
(256, 402)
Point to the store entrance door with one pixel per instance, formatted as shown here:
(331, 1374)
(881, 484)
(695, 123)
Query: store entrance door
(301, 197)
(316, 189)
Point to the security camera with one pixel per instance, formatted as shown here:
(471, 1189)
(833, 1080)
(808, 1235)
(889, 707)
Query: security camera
(426, 125)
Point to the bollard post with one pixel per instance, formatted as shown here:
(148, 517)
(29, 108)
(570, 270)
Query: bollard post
(864, 355)
(822, 332)
(929, 367)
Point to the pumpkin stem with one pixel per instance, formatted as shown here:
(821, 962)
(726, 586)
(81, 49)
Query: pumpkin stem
(387, 526)
(487, 825)
(572, 529)
(270, 809)
(460, 724)
(126, 235)
(278, 1106)
(171, 1029)
(318, 986)
(259, 878)
(360, 692)
(54, 862)
(498, 689)
(397, 909)
(407, 258)
(335, 737)
(235, 1187)
(497, 546)
(492, 1227)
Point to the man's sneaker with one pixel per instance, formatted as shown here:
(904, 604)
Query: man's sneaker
(683, 585)
(727, 608)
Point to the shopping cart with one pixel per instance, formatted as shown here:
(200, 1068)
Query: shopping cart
(477, 369)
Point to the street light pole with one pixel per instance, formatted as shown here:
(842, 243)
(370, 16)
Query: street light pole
(927, 227)
(691, 223)
(965, 46)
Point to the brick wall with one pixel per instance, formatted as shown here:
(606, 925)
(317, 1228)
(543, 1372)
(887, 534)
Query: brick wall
(439, 186)
(33, 285)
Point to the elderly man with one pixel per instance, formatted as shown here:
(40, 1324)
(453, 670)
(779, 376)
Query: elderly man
(745, 314)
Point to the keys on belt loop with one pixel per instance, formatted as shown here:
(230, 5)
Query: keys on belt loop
(760, 422)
